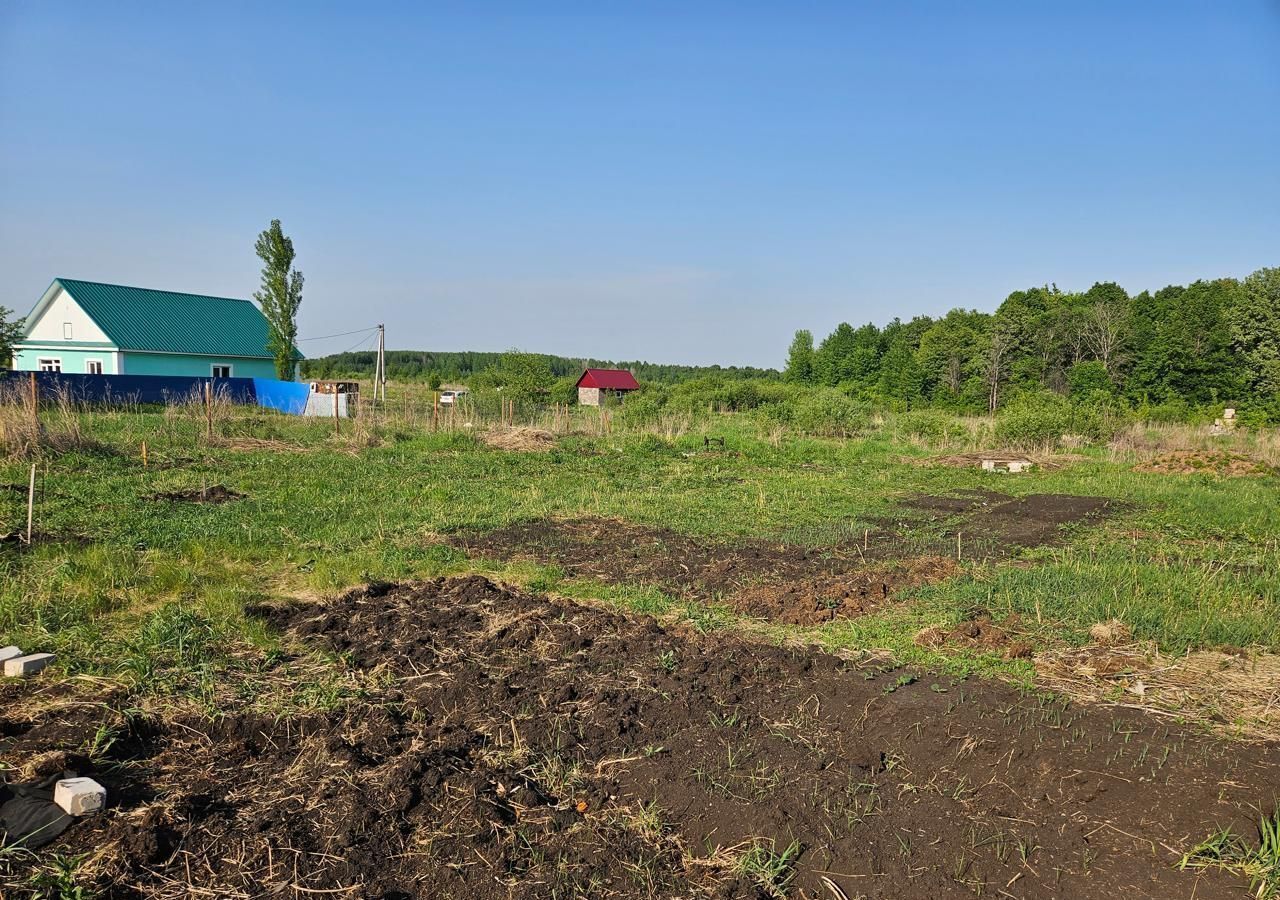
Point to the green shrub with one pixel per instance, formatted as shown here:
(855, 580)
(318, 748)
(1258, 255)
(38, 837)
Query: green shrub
(1033, 421)
(930, 425)
(828, 412)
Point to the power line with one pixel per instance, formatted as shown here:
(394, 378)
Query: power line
(360, 343)
(340, 334)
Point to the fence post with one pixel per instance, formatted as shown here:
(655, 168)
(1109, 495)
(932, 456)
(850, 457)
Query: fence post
(337, 423)
(31, 502)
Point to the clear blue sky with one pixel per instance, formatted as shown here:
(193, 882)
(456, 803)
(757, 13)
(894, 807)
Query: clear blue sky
(680, 182)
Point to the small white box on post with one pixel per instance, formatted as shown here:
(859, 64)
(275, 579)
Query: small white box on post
(79, 796)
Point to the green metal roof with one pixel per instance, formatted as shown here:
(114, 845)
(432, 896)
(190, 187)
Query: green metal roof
(167, 322)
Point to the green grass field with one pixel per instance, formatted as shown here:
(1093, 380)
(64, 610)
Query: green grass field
(122, 585)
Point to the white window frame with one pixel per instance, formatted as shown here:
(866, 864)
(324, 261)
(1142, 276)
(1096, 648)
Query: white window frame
(66, 332)
(214, 367)
(89, 363)
(49, 364)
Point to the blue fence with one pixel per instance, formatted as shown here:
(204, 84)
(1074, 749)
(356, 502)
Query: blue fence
(117, 390)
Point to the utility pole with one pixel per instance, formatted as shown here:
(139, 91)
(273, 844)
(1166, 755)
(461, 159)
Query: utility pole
(380, 370)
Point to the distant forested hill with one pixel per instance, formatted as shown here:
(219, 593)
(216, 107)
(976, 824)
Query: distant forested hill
(461, 365)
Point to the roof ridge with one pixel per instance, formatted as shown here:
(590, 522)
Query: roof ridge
(133, 287)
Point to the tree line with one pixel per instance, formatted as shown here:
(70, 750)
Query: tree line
(463, 366)
(1211, 342)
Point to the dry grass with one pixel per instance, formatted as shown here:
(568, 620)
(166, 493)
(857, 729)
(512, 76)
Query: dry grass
(520, 439)
(1238, 691)
(29, 430)
(1143, 442)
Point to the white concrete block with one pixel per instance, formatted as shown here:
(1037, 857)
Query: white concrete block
(26, 665)
(79, 796)
(8, 653)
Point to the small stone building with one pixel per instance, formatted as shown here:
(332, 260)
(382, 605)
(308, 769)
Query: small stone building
(596, 386)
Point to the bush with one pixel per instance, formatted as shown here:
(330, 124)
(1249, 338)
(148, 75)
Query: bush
(930, 425)
(829, 413)
(641, 408)
(1033, 421)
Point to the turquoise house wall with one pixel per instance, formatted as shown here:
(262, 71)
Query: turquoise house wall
(200, 366)
(28, 360)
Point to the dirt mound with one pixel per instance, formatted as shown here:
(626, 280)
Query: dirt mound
(519, 439)
(216, 493)
(1213, 462)
(978, 633)
(516, 746)
(824, 598)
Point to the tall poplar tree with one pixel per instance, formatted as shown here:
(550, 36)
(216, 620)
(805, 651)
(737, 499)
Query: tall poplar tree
(280, 297)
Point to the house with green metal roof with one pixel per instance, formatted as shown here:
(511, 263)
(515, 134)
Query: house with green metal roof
(108, 329)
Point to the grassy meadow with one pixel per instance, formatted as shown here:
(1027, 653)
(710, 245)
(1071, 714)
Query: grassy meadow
(124, 585)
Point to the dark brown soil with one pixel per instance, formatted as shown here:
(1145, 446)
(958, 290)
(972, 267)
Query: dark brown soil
(812, 601)
(517, 746)
(618, 552)
(216, 493)
(995, 523)
(791, 583)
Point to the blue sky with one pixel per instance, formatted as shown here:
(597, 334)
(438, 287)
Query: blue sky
(679, 182)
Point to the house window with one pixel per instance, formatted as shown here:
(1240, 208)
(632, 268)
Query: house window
(47, 364)
(93, 366)
(66, 331)
(222, 371)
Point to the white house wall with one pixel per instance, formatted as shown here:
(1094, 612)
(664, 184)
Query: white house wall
(63, 310)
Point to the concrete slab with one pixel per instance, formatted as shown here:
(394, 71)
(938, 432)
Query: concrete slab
(8, 653)
(21, 666)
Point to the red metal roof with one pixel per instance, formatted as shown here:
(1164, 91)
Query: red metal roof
(609, 379)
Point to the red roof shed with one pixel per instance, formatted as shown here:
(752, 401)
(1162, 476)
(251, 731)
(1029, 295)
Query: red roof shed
(609, 380)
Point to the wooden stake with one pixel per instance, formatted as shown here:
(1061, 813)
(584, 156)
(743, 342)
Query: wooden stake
(866, 539)
(958, 544)
(144, 454)
(337, 425)
(208, 406)
(31, 502)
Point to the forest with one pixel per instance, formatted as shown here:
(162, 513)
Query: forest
(1212, 342)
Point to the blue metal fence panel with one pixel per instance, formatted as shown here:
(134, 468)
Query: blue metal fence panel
(117, 390)
(287, 396)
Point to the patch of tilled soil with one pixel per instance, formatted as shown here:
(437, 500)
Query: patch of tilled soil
(525, 747)
(812, 601)
(789, 582)
(216, 493)
(996, 523)
(753, 576)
